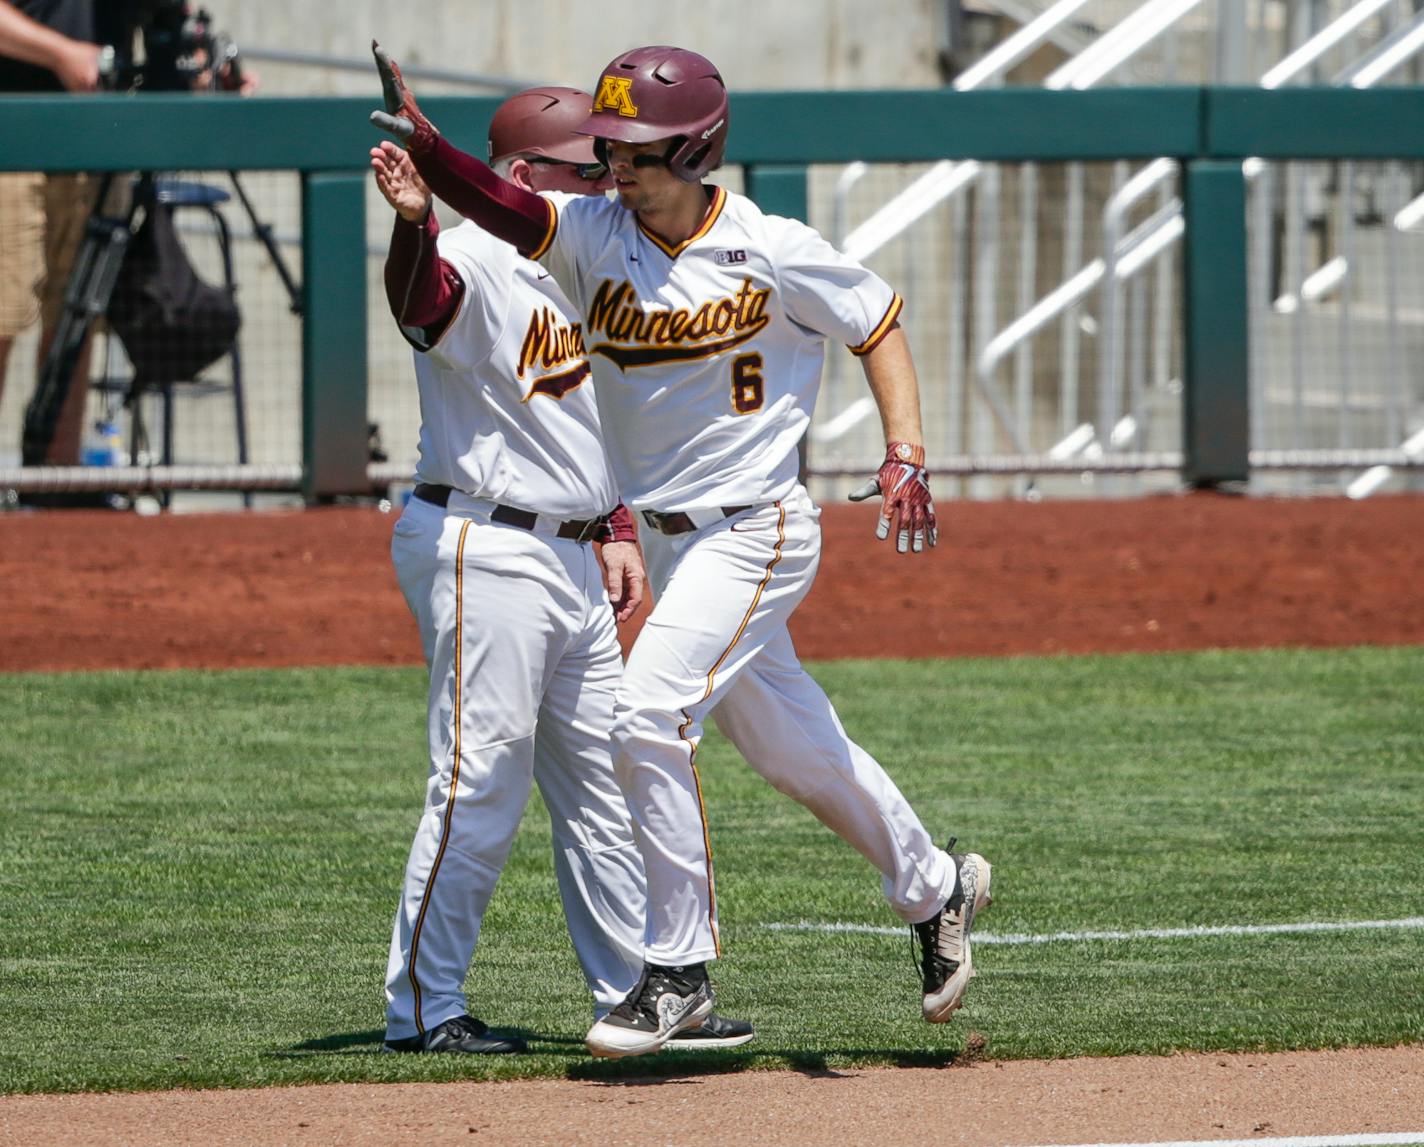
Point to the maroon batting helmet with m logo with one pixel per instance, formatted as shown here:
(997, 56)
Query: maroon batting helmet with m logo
(658, 93)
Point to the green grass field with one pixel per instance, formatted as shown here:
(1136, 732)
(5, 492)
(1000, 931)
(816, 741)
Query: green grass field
(199, 871)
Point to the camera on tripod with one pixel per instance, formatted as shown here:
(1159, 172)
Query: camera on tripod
(182, 52)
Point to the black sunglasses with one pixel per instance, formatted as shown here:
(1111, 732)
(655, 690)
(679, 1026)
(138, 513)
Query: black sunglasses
(589, 171)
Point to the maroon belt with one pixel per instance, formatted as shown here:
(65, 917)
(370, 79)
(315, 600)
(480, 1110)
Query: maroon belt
(681, 523)
(575, 529)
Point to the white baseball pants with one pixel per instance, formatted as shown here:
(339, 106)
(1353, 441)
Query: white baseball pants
(524, 660)
(716, 642)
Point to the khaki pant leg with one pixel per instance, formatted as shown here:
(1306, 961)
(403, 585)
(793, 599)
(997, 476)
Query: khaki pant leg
(22, 249)
(68, 201)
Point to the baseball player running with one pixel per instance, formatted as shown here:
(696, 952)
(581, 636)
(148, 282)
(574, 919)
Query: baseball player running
(493, 556)
(705, 321)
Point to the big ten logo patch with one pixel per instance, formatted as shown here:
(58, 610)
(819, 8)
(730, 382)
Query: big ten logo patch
(615, 93)
(728, 258)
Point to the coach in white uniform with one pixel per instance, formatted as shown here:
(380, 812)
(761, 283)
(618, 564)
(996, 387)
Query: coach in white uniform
(493, 555)
(705, 321)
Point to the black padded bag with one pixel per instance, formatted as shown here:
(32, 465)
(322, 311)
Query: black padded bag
(171, 322)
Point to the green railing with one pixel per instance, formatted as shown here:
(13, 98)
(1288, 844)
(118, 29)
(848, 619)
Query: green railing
(1209, 130)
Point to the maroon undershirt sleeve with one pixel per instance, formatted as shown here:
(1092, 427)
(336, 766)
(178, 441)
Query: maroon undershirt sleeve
(618, 526)
(423, 290)
(472, 188)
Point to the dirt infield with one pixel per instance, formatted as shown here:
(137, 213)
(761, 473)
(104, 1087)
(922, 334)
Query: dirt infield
(1132, 1099)
(95, 590)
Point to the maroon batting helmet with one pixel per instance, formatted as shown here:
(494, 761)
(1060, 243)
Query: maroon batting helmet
(668, 93)
(542, 121)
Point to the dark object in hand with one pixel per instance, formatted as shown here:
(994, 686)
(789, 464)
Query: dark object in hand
(182, 51)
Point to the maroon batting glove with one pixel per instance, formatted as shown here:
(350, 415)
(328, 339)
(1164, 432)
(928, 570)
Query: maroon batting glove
(903, 484)
(402, 117)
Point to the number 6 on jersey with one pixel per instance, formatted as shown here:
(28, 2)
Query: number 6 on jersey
(747, 389)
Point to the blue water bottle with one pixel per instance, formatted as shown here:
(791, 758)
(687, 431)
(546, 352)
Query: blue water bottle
(104, 447)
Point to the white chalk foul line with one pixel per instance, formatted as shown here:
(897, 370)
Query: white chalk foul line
(1385, 1140)
(1393, 1139)
(1139, 934)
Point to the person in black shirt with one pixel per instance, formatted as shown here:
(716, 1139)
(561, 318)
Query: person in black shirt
(45, 46)
(55, 46)
(48, 46)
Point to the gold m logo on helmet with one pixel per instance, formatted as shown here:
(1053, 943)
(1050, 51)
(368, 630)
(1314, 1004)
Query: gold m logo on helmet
(615, 94)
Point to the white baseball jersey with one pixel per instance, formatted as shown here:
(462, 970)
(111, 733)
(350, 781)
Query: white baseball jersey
(708, 358)
(506, 403)
(708, 354)
(519, 639)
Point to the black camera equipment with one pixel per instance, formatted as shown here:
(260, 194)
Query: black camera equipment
(182, 53)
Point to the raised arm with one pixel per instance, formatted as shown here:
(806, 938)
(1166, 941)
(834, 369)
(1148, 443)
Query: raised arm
(467, 184)
(423, 290)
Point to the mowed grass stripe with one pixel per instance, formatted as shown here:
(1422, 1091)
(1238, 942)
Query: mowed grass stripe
(199, 870)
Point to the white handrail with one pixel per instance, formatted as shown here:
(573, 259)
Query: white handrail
(1081, 284)
(844, 422)
(1376, 476)
(1119, 44)
(1136, 250)
(1110, 319)
(913, 202)
(1072, 443)
(1397, 48)
(1315, 286)
(1024, 12)
(1410, 214)
(1017, 47)
(946, 178)
(1334, 32)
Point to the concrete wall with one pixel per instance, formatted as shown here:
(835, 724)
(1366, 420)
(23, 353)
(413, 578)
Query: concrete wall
(754, 43)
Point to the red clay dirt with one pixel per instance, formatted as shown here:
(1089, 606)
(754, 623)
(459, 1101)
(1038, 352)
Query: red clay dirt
(91, 590)
(96, 590)
(1134, 1099)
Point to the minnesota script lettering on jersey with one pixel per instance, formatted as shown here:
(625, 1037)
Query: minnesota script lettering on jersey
(549, 343)
(646, 338)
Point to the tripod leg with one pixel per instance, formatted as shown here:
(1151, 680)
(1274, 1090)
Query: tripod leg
(263, 231)
(141, 446)
(167, 436)
(57, 372)
(240, 413)
(239, 409)
(136, 432)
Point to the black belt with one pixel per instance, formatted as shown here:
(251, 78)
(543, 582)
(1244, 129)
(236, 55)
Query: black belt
(681, 523)
(575, 529)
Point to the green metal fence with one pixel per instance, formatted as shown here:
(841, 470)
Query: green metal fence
(776, 135)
